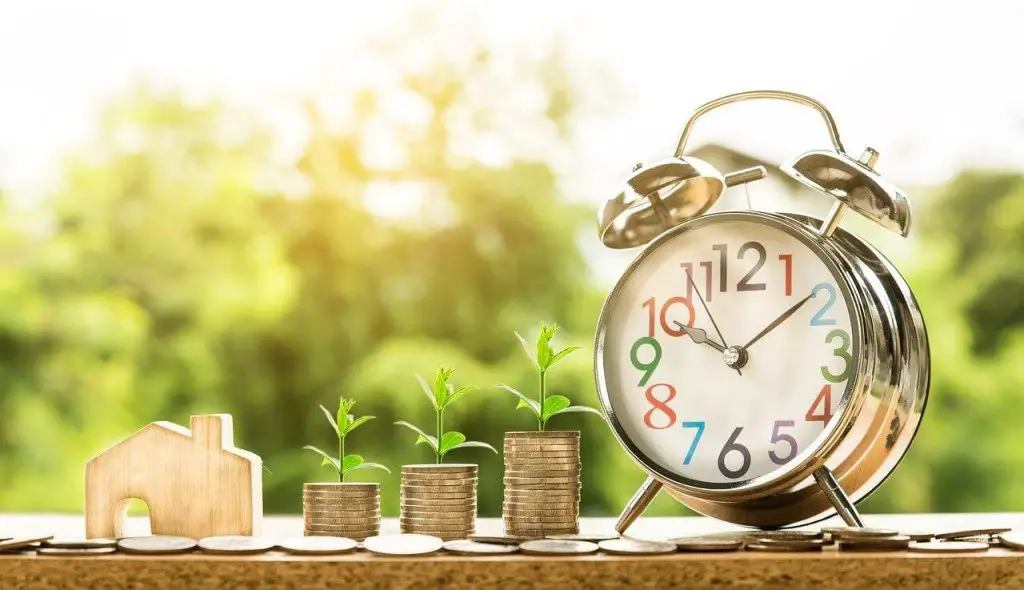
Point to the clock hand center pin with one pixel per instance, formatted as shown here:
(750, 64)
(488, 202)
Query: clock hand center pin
(741, 357)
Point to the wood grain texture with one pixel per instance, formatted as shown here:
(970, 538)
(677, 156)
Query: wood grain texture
(195, 483)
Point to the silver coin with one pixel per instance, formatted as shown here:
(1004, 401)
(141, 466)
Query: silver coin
(948, 547)
(499, 539)
(786, 534)
(919, 535)
(21, 542)
(808, 544)
(860, 532)
(317, 545)
(635, 547)
(156, 545)
(592, 537)
(783, 547)
(235, 545)
(80, 543)
(971, 533)
(1012, 540)
(403, 544)
(466, 547)
(897, 543)
(708, 543)
(75, 551)
(556, 547)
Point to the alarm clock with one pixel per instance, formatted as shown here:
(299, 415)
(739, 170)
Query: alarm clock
(767, 369)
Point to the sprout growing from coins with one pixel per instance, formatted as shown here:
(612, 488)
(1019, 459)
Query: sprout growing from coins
(343, 426)
(544, 357)
(443, 394)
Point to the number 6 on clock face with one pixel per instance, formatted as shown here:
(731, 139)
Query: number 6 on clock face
(776, 306)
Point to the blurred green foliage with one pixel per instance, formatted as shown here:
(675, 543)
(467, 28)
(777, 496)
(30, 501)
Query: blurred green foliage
(165, 279)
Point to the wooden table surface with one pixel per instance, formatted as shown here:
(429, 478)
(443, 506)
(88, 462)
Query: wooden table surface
(997, 568)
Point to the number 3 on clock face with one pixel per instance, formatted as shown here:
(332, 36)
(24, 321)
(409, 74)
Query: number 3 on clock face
(776, 305)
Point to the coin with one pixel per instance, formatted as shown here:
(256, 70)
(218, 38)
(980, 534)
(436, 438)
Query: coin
(971, 533)
(75, 551)
(514, 481)
(564, 487)
(543, 473)
(351, 524)
(403, 544)
(448, 468)
(635, 547)
(896, 543)
(556, 547)
(918, 535)
(538, 521)
(317, 545)
(786, 534)
(792, 547)
(538, 535)
(358, 536)
(1012, 539)
(499, 539)
(440, 483)
(235, 545)
(80, 543)
(706, 543)
(513, 461)
(593, 537)
(436, 521)
(538, 434)
(550, 507)
(557, 450)
(333, 493)
(19, 542)
(156, 545)
(948, 547)
(465, 547)
(532, 457)
(424, 494)
(808, 544)
(860, 532)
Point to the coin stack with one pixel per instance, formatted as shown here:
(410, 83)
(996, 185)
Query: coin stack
(439, 500)
(542, 483)
(341, 509)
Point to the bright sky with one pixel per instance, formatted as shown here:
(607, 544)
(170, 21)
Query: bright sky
(932, 85)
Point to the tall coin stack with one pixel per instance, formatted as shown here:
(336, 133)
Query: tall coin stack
(542, 483)
(439, 500)
(341, 509)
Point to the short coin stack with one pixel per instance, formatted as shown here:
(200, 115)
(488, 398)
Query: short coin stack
(341, 509)
(439, 500)
(542, 483)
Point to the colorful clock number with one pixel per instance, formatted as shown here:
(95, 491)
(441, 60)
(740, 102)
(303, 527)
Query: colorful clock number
(824, 399)
(819, 318)
(660, 407)
(843, 352)
(696, 438)
(732, 446)
(778, 437)
(787, 260)
(668, 327)
(647, 367)
(746, 282)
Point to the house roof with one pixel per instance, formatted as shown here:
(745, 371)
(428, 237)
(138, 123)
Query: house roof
(184, 433)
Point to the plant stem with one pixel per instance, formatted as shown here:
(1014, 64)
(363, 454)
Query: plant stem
(341, 458)
(540, 418)
(440, 430)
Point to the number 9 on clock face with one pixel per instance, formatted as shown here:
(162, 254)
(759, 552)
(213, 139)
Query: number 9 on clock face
(726, 351)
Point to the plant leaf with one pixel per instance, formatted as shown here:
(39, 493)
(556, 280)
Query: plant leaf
(474, 443)
(579, 410)
(527, 348)
(358, 422)
(328, 460)
(423, 438)
(426, 389)
(524, 402)
(457, 393)
(344, 407)
(350, 462)
(371, 466)
(544, 353)
(561, 354)
(553, 405)
(441, 387)
(449, 441)
(330, 419)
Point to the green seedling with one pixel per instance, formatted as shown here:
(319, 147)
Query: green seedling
(544, 357)
(442, 395)
(343, 426)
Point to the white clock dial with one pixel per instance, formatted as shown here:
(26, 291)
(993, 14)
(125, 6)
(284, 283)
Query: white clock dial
(718, 418)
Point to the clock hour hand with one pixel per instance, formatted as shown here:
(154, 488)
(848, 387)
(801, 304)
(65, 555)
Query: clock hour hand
(775, 324)
(700, 336)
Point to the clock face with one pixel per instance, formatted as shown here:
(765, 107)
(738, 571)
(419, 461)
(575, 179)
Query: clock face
(737, 372)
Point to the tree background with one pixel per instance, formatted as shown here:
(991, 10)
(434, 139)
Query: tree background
(180, 268)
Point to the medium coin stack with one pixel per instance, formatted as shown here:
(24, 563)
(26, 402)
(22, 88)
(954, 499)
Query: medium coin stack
(341, 509)
(542, 483)
(439, 500)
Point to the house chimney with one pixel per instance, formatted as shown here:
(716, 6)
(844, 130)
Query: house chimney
(212, 431)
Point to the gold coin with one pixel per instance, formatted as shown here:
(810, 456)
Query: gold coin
(558, 463)
(520, 499)
(438, 482)
(707, 543)
(783, 548)
(808, 544)
(539, 521)
(558, 479)
(452, 514)
(786, 534)
(897, 543)
(543, 448)
(416, 487)
(439, 504)
(522, 485)
(321, 496)
(549, 505)
(438, 517)
(859, 532)
(498, 539)
(593, 537)
(440, 468)
(445, 534)
(438, 496)
(540, 533)
(349, 493)
(352, 524)
(542, 434)
(542, 472)
(349, 533)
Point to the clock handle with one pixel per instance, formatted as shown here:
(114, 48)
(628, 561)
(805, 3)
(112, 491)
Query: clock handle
(835, 494)
(638, 503)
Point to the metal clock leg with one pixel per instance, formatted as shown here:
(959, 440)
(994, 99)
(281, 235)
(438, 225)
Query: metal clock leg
(638, 503)
(835, 494)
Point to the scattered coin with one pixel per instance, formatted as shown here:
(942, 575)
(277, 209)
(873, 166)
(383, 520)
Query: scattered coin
(706, 543)
(1012, 539)
(784, 547)
(235, 545)
(919, 535)
(895, 543)
(948, 547)
(403, 544)
(860, 532)
(808, 544)
(156, 545)
(20, 542)
(317, 545)
(971, 533)
(786, 534)
(499, 539)
(466, 547)
(535, 534)
(75, 551)
(635, 547)
(80, 543)
(556, 547)
(594, 537)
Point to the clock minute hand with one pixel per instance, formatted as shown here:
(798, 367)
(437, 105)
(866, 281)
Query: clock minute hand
(699, 336)
(775, 324)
